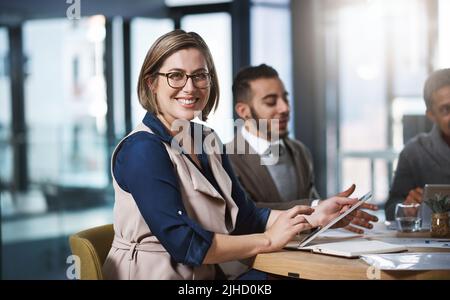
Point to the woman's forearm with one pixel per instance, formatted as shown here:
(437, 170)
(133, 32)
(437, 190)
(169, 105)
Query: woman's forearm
(282, 226)
(234, 247)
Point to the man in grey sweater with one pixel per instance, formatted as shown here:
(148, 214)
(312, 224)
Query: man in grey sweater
(426, 158)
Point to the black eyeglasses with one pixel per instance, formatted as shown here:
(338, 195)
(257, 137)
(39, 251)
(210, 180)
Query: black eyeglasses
(178, 79)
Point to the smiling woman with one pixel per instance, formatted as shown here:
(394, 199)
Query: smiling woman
(191, 95)
(180, 212)
(193, 56)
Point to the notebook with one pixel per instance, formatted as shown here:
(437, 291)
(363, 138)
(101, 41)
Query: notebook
(355, 248)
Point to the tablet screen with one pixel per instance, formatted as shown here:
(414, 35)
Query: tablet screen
(319, 230)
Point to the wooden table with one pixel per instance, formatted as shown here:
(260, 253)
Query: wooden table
(306, 265)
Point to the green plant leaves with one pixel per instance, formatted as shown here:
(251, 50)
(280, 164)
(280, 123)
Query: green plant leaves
(439, 204)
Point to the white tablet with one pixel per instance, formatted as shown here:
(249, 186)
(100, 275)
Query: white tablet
(320, 230)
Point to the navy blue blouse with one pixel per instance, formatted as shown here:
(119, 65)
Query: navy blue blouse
(143, 168)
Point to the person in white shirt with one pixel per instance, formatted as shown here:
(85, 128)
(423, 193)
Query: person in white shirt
(275, 170)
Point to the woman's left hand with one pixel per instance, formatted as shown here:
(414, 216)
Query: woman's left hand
(329, 209)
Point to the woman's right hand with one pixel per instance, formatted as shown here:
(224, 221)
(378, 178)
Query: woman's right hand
(287, 225)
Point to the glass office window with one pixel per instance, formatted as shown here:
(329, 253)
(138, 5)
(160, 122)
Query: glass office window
(65, 100)
(384, 59)
(5, 111)
(410, 60)
(118, 79)
(407, 46)
(362, 80)
(215, 28)
(362, 85)
(65, 107)
(443, 59)
(271, 41)
(382, 64)
(144, 33)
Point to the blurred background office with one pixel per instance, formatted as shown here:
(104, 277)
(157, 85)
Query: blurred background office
(354, 70)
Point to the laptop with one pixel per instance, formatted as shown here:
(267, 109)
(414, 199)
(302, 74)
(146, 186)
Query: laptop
(320, 230)
(430, 191)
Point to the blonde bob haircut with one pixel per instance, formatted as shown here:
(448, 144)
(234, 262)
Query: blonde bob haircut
(164, 47)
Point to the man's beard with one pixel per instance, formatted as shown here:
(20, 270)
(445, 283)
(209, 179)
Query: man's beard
(256, 117)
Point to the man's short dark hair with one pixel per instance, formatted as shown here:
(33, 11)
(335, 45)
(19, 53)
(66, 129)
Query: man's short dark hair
(438, 79)
(241, 83)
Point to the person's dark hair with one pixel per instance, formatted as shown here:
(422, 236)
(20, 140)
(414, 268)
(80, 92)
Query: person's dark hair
(241, 83)
(435, 81)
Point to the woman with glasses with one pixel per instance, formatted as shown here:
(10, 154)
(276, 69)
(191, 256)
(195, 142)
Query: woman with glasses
(179, 209)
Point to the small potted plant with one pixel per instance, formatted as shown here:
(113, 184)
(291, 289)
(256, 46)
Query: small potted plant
(440, 205)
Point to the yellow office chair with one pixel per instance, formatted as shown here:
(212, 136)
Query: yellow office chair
(92, 247)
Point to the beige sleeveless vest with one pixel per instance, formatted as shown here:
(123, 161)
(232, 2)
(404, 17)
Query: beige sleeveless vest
(137, 254)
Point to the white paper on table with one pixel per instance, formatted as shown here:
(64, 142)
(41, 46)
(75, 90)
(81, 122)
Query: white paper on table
(379, 229)
(419, 242)
(332, 235)
(339, 233)
(409, 261)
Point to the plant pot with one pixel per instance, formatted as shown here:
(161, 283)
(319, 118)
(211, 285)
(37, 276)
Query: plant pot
(439, 225)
